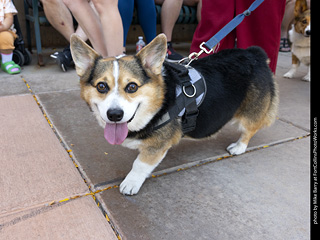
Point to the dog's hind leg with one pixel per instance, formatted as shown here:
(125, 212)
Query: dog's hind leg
(252, 117)
(240, 146)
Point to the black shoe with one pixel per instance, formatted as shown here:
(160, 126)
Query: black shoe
(172, 55)
(64, 58)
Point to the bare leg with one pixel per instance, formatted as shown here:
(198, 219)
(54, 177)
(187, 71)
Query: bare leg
(169, 14)
(81, 34)
(59, 16)
(193, 3)
(90, 23)
(287, 18)
(111, 25)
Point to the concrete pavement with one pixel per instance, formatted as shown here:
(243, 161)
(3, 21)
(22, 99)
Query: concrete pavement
(59, 176)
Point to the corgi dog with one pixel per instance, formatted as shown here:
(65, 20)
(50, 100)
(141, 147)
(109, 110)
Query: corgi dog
(131, 95)
(300, 35)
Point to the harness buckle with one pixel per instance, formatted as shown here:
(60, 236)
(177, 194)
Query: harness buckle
(189, 121)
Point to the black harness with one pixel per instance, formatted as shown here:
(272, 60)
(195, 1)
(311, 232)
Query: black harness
(190, 93)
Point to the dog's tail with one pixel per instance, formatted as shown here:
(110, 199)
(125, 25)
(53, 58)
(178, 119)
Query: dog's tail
(259, 54)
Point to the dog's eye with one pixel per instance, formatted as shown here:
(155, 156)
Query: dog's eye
(102, 87)
(304, 21)
(131, 87)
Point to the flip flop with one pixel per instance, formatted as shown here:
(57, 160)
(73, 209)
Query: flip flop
(9, 70)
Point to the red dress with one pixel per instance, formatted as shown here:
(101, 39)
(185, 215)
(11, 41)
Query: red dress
(262, 28)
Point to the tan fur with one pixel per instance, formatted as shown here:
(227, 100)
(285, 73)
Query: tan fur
(154, 65)
(155, 146)
(300, 7)
(295, 60)
(302, 21)
(253, 117)
(79, 49)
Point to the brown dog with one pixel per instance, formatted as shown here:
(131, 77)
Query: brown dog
(300, 35)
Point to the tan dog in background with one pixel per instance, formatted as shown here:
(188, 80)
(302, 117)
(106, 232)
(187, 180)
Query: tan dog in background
(300, 35)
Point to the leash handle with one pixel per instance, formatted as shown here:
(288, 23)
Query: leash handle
(212, 42)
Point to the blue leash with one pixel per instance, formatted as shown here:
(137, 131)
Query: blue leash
(231, 25)
(212, 42)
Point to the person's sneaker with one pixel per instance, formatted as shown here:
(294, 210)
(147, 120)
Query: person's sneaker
(64, 58)
(172, 55)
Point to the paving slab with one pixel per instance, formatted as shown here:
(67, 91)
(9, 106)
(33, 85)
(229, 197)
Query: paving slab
(77, 219)
(294, 93)
(50, 78)
(12, 85)
(35, 168)
(263, 194)
(105, 164)
(295, 102)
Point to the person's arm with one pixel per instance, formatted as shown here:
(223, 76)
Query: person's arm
(7, 22)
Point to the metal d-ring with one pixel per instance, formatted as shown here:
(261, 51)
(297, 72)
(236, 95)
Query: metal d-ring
(189, 95)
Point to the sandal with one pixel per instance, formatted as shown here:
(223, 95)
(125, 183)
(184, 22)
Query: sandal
(284, 45)
(9, 70)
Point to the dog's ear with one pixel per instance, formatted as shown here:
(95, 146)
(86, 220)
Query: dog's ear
(152, 56)
(300, 7)
(83, 55)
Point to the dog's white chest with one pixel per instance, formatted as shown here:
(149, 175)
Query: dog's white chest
(302, 53)
(300, 46)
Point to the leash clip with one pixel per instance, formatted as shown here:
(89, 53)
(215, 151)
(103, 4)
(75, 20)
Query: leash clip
(204, 49)
(195, 55)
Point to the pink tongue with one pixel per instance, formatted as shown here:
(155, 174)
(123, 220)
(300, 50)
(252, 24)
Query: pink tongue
(116, 133)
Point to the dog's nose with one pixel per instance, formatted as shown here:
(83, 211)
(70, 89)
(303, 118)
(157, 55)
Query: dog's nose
(115, 115)
(308, 32)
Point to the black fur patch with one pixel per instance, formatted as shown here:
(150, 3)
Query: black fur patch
(229, 75)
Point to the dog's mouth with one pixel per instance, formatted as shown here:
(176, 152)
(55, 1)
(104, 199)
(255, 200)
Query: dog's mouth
(115, 133)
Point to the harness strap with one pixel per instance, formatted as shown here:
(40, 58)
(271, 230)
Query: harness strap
(190, 94)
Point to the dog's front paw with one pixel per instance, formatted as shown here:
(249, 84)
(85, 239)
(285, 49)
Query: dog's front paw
(306, 78)
(237, 148)
(131, 184)
(289, 74)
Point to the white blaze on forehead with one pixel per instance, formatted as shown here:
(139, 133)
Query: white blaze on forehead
(116, 74)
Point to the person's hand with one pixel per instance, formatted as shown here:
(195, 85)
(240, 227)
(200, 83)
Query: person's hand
(1, 27)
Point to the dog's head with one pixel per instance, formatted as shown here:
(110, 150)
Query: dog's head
(302, 18)
(124, 92)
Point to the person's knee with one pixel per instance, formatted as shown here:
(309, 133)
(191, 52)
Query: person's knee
(103, 5)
